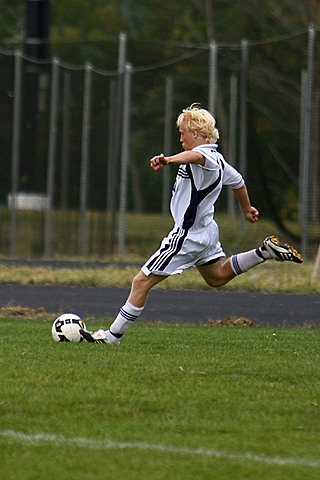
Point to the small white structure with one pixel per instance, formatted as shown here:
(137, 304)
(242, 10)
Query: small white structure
(28, 201)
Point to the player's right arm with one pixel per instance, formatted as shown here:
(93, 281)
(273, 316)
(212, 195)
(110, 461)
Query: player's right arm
(182, 158)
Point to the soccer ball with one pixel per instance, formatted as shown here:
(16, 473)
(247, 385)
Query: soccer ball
(66, 328)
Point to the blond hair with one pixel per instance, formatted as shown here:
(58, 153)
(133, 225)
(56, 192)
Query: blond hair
(199, 119)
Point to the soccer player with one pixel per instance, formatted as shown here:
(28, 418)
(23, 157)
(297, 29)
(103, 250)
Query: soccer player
(194, 239)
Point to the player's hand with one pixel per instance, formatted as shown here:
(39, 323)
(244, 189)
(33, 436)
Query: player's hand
(158, 161)
(252, 215)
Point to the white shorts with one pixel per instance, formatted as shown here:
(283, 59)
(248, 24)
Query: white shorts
(183, 249)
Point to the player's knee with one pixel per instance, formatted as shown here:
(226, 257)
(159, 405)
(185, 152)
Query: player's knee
(217, 278)
(139, 281)
(215, 282)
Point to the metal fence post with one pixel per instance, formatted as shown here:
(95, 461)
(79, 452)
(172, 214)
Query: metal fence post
(65, 140)
(305, 174)
(243, 107)
(111, 177)
(243, 117)
(125, 149)
(115, 110)
(51, 155)
(86, 123)
(232, 136)
(167, 143)
(212, 78)
(115, 113)
(303, 89)
(16, 135)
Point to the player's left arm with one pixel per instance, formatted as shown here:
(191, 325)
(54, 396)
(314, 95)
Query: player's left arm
(251, 213)
(182, 158)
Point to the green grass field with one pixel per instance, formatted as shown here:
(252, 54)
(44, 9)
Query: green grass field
(171, 402)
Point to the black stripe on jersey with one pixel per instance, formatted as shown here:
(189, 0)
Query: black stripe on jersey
(182, 173)
(170, 249)
(221, 162)
(196, 198)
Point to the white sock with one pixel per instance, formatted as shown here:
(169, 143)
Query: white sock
(242, 262)
(127, 315)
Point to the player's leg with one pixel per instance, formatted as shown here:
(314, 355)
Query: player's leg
(129, 312)
(216, 273)
(134, 306)
(213, 265)
(141, 286)
(169, 259)
(219, 272)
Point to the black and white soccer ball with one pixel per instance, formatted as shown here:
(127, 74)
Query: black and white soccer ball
(66, 328)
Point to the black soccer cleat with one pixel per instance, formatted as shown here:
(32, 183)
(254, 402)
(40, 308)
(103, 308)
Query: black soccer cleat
(86, 336)
(95, 337)
(281, 251)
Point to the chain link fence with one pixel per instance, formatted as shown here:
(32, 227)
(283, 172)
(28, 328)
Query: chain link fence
(75, 144)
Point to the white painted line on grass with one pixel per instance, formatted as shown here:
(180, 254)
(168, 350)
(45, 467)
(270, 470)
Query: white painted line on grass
(37, 439)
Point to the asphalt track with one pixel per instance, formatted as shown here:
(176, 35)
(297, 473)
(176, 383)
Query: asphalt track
(193, 306)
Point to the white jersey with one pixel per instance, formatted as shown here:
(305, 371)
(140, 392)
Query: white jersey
(198, 187)
(194, 240)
